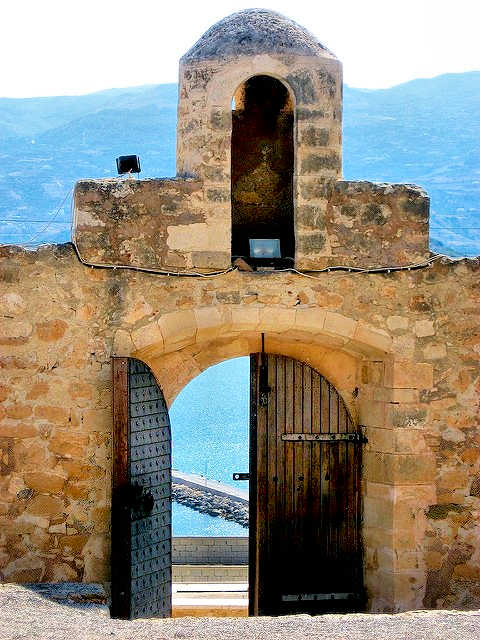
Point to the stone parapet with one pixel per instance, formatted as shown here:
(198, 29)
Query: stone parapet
(181, 224)
(154, 224)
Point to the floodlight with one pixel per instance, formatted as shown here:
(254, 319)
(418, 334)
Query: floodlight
(128, 164)
(264, 248)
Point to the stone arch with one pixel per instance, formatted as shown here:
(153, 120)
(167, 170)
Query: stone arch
(313, 335)
(280, 79)
(217, 111)
(379, 389)
(227, 80)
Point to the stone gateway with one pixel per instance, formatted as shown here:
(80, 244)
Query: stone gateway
(257, 246)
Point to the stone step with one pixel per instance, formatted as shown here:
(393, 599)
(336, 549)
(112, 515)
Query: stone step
(210, 600)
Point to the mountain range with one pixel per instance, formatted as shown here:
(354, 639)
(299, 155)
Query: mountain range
(426, 131)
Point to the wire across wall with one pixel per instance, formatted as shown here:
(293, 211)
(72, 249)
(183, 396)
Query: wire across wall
(38, 238)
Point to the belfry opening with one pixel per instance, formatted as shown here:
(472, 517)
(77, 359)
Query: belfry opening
(262, 173)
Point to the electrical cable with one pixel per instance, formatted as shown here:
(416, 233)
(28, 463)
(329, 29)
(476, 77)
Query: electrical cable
(383, 269)
(161, 272)
(305, 273)
(42, 231)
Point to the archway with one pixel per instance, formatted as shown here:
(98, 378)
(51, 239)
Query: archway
(209, 421)
(262, 172)
(210, 443)
(377, 385)
(304, 490)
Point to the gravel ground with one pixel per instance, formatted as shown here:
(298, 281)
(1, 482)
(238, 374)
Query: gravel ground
(39, 613)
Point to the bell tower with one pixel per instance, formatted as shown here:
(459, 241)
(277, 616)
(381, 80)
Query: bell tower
(264, 161)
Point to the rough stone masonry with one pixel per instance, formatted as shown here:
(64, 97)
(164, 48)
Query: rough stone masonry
(401, 345)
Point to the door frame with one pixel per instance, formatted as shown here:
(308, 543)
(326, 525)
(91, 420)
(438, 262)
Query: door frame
(253, 581)
(120, 538)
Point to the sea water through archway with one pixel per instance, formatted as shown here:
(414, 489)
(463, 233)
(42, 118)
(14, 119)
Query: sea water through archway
(210, 433)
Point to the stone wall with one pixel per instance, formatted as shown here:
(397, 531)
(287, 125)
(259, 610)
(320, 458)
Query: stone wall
(205, 573)
(403, 349)
(148, 223)
(211, 550)
(167, 224)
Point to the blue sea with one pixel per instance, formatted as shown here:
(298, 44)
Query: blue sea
(210, 427)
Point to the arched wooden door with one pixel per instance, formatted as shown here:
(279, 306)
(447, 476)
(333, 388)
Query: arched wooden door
(305, 461)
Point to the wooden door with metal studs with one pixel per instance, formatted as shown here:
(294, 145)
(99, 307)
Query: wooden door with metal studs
(141, 494)
(305, 513)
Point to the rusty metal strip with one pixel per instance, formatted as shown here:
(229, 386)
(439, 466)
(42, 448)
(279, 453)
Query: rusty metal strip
(322, 437)
(296, 597)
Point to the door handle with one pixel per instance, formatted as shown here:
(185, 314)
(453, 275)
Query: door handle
(241, 476)
(138, 499)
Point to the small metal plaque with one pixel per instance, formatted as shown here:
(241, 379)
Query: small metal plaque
(322, 437)
(241, 476)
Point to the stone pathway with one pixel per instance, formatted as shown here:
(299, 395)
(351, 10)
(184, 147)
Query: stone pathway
(78, 612)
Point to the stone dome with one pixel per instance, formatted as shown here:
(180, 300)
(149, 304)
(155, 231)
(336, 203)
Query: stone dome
(251, 32)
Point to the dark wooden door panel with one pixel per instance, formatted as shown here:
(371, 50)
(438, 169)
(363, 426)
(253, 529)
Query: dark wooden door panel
(141, 494)
(305, 493)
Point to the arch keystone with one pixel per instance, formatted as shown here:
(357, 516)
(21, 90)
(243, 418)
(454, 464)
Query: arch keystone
(310, 320)
(245, 318)
(277, 320)
(338, 325)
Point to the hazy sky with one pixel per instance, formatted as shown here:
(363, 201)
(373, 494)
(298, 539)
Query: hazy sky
(54, 47)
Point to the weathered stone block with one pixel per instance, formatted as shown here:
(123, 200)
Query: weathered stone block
(372, 339)
(16, 430)
(315, 137)
(409, 417)
(44, 482)
(371, 413)
(13, 331)
(245, 318)
(435, 352)
(410, 375)
(424, 328)
(316, 163)
(339, 325)
(18, 411)
(311, 320)
(150, 334)
(396, 323)
(177, 326)
(51, 330)
(45, 506)
(210, 259)
(57, 415)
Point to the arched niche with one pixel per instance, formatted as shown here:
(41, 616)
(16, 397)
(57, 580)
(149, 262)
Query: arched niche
(262, 170)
